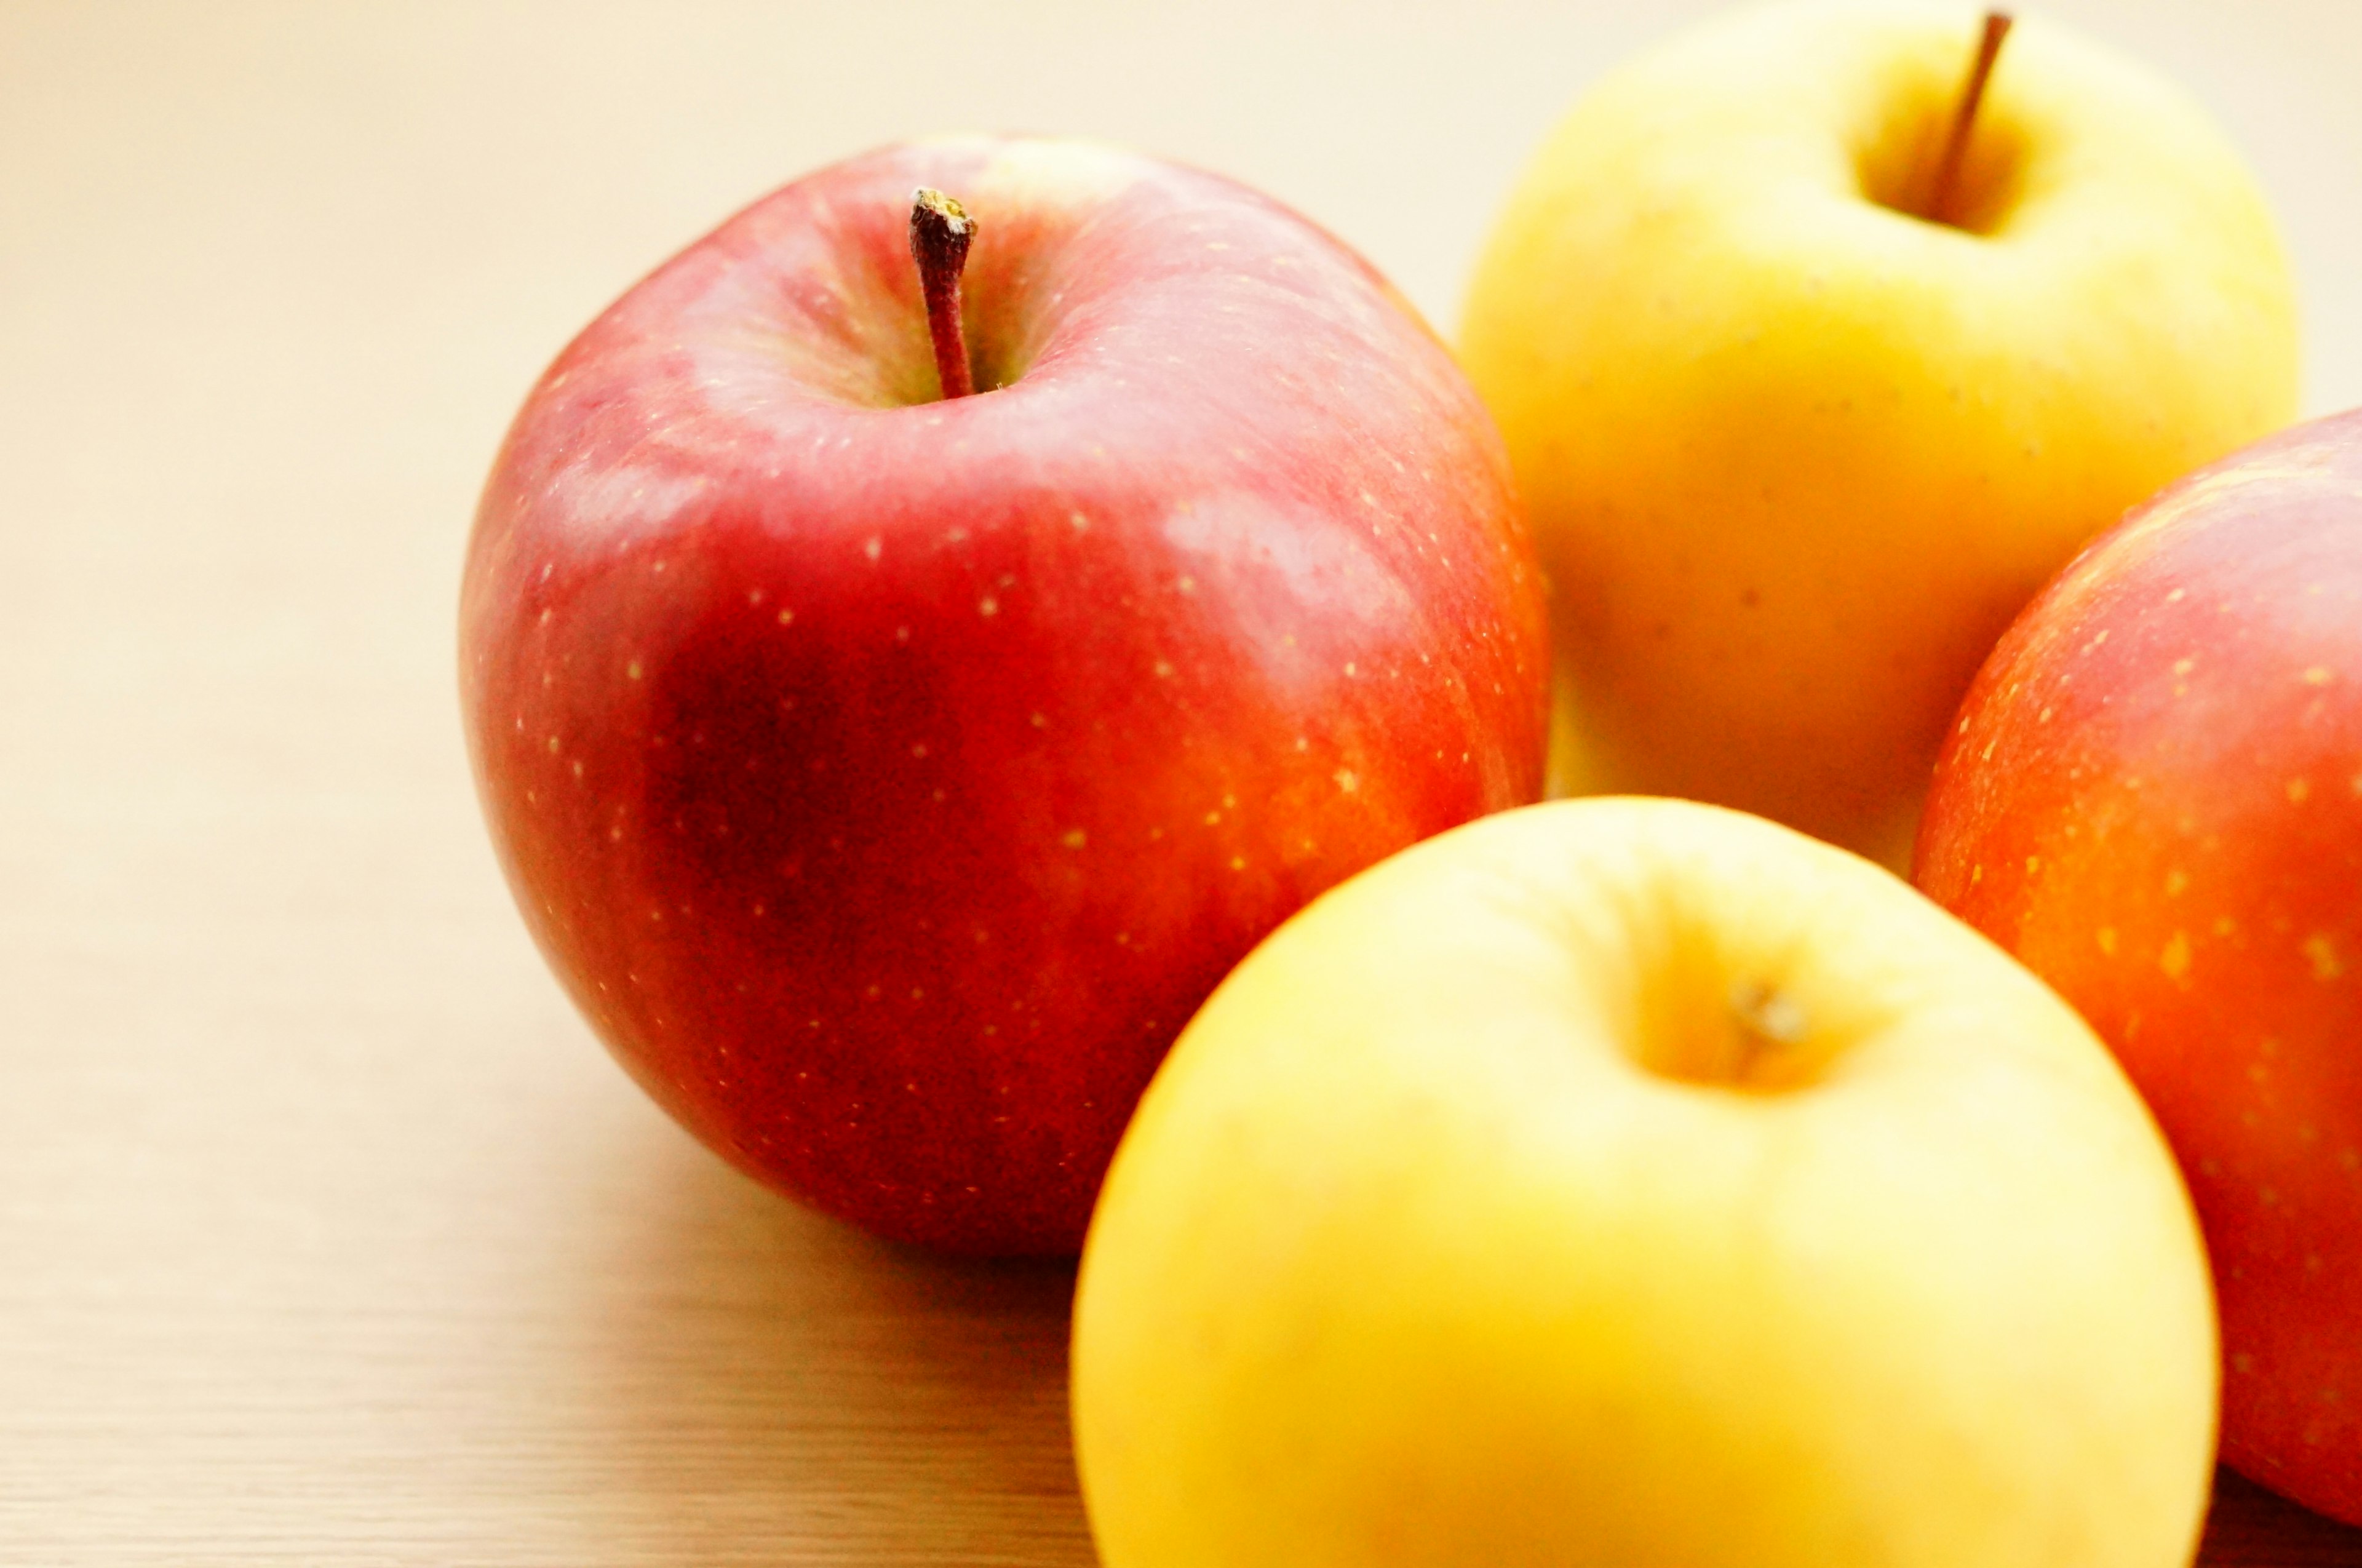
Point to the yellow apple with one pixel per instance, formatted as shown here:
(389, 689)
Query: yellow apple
(1795, 455)
(1621, 1182)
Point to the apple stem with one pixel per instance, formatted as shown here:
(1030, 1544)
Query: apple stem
(940, 233)
(1972, 92)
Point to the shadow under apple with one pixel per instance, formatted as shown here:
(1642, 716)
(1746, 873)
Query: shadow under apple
(2250, 1527)
(781, 1387)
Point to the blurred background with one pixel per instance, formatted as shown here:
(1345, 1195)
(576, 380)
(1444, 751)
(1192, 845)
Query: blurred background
(326, 1232)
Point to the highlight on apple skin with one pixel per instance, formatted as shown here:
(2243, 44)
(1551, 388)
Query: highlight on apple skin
(1623, 1181)
(2153, 797)
(1796, 451)
(888, 777)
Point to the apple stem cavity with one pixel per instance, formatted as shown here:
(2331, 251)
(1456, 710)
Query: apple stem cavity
(940, 231)
(1945, 192)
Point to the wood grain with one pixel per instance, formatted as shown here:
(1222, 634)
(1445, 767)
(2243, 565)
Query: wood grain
(327, 1236)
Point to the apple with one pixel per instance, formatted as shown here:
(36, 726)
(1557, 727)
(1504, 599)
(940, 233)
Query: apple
(2153, 797)
(1625, 1181)
(1796, 452)
(889, 776)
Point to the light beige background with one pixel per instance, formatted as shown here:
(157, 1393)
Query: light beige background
(327, 1235)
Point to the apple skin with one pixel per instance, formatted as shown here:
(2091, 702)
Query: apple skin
(2153, 797)
(1795, 457)
(1634, 1181)
(888, 780)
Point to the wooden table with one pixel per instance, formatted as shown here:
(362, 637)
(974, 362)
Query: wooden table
(327, 1236)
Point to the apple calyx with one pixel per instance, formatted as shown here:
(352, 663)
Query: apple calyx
(940, 231)
(1945, 189)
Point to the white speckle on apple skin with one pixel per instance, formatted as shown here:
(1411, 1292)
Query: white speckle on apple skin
(2321, 952)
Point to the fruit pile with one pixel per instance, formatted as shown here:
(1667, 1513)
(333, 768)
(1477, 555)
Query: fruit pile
(985, 699)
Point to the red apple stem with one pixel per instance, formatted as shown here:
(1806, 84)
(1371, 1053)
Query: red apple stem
(1964, 118)
(940, 233)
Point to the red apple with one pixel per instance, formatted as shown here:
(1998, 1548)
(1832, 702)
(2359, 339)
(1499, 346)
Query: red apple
(889, 777)
(2153, 797)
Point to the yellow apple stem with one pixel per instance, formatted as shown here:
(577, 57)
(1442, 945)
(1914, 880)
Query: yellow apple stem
(940, 233)
(1972, 92)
